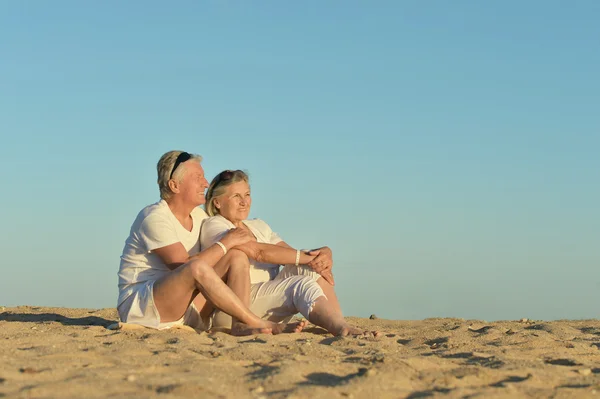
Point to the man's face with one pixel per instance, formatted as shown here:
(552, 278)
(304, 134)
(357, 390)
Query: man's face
(194, 184)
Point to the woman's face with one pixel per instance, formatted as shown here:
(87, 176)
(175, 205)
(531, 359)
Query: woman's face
(234, 204)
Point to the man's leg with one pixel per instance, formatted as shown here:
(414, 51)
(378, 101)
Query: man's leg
(174, 293)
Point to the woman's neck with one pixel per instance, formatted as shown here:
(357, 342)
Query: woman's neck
(235, 222)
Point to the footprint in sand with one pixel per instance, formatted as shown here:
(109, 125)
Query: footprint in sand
(510, 379)
(437, 343)
(428, 393)
(562, 362)
(590, 330)
(473, 359)
(480, 330)
(539, 327)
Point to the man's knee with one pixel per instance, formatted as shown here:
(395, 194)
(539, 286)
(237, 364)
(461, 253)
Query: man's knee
(200, 269)
(238, 259)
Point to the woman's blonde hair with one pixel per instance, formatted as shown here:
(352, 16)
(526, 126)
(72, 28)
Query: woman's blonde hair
(167, 170)
(218, 186)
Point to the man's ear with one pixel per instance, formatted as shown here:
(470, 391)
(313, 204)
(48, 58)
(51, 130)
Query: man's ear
(174, 186)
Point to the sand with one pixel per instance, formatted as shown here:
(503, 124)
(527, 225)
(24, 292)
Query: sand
(70, 353)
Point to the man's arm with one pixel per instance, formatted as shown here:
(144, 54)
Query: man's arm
(175, 255)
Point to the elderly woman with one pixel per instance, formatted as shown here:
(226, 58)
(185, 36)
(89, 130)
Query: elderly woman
(274, 295)
(164, 279)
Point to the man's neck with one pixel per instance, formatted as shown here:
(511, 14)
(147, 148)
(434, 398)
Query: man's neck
(180, 210)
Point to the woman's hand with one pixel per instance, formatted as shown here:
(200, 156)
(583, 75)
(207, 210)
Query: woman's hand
(323, 260)
(328, 276)
(235, 237)
(322, 263)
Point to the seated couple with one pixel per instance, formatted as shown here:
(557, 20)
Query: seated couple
(174, 272)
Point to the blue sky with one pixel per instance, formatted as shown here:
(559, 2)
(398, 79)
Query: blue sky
(446, 151)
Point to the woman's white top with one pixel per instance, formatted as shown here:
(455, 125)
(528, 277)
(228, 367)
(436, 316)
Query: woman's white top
(214, 229)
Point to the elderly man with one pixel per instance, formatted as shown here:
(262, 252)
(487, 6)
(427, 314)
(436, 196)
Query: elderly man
(164, 279)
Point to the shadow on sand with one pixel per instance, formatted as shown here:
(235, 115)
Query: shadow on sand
(54, 317)
(331, 380)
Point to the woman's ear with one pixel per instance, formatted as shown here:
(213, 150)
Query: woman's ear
(216, 202)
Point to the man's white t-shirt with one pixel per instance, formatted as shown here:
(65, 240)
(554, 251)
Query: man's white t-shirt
(155, 227)
(214, 228)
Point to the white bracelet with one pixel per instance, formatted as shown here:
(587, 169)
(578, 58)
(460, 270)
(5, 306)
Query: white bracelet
(297, 257)
(219, 243)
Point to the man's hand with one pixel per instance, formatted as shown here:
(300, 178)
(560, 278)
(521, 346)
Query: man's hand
(236, 237)
(323, 263)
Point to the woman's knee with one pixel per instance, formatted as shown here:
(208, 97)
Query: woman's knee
(307, 289)
(303, 270)
(323, 283)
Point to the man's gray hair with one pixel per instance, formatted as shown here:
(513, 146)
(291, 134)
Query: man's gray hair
(165, 168)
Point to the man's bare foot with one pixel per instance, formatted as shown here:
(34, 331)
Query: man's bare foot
(347, 330)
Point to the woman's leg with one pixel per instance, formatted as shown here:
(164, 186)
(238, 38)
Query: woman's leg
(234, 269)
(325, 311)
(330, 294)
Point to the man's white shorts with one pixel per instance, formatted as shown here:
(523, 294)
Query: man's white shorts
(139, 308)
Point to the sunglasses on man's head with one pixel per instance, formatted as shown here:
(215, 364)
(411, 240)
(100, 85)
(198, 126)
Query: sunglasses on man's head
(181, 158)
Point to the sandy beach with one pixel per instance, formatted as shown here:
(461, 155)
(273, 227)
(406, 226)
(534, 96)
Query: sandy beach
(70, 353)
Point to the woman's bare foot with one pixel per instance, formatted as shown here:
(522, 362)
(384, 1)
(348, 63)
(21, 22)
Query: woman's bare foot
(263, 327)
(348, 330)
(240, 329)
(296, 327)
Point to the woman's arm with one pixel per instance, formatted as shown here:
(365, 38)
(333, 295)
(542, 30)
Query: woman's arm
(323, 256)
(322, 261)
(274, 254)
